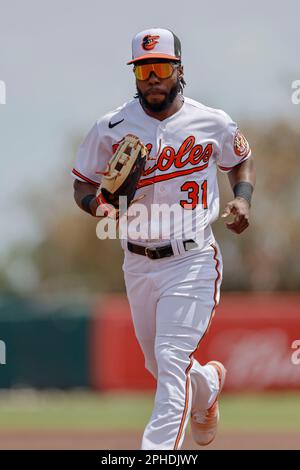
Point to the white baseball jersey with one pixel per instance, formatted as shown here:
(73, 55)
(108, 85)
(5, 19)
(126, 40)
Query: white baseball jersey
(185, 150)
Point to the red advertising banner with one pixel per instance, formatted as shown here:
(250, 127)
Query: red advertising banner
(256, 336)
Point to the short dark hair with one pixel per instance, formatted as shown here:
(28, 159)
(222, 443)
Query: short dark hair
(182, 83)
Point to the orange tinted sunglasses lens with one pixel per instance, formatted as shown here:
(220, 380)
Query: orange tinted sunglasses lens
(163, 70)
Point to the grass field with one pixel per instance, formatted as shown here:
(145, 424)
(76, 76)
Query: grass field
(20, 410)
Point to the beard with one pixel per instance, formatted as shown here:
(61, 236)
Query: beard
(163, 105)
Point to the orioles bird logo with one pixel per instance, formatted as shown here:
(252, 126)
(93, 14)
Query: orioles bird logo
(149, 42)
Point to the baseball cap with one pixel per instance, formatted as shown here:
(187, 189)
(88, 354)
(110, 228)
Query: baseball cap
(155, 43)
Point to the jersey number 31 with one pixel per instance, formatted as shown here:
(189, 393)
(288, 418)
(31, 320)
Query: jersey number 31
(193, 189)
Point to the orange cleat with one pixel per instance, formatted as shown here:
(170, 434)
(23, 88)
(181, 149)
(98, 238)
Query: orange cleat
(204, 424)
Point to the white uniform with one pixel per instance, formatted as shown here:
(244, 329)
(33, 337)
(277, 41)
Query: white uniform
(172, 299)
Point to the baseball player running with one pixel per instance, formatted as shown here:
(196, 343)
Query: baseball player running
(163, 149)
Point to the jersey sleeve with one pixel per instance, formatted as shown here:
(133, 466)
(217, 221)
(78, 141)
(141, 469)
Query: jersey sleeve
(234, 148)
(92, 156)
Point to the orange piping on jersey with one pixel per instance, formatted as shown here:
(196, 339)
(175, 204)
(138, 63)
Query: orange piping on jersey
(187, 384)
(218, 276)
(80, 175)
(228, 168)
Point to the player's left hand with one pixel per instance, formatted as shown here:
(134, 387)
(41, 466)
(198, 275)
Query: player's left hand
(240, 208)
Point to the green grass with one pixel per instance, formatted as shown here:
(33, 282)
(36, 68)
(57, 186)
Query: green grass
(74, 411)
(83, 410)
(269, 411)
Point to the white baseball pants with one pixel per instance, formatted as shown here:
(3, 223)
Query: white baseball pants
(172, 302)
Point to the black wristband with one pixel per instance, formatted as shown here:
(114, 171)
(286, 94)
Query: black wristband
(86, 201)
(243, 189)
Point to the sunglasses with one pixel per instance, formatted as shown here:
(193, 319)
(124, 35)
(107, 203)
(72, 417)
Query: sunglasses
(161, 70)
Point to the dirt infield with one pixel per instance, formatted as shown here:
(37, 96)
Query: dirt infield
(98, 440)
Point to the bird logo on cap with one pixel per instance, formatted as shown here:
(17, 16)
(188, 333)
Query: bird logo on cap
(149, 42)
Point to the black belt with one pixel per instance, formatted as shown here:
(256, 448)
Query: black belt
(159, 251)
